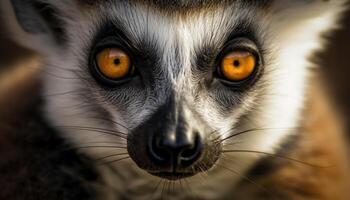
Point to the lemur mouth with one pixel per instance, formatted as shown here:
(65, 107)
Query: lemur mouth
(172, 175)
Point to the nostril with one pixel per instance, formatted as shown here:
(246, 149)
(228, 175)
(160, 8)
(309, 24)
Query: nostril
(181, 153)
(190, 155)
(157, 153)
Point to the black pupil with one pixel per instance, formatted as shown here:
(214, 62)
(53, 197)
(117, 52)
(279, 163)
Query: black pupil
(236, 63)
(117, 61)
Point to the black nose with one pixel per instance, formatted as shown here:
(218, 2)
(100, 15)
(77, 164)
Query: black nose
(169, 145)
(176, 151)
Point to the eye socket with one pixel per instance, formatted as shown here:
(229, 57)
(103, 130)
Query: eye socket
(237, 66)
(114, 64)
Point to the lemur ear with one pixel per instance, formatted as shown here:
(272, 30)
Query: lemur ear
(39, 22)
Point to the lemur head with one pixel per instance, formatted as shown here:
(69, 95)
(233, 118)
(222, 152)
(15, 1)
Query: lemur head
(176, 83)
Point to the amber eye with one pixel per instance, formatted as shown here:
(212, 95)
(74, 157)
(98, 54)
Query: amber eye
(114, 63)
(237, 66)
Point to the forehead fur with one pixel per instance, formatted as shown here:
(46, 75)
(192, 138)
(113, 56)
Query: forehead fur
(303, 8)
(182, 5)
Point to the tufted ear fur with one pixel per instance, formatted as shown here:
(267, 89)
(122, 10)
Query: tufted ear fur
(34, 24)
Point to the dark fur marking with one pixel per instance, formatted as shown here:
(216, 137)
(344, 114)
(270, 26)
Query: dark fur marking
(270, 164)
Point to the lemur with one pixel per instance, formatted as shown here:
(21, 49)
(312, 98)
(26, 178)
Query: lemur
(182, 99)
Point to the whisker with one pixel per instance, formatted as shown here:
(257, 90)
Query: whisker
(231, 144)
(74, 106)
(228, 131)
(75, 92)
(247, 179)
(249, 131)
(112, 155)
(91, 128)
(155, 189)
(54, 75)
(110, 120)
(162, 193)
(88, 143)
(86, 147)
(182, 188)
(167, 188)
(113, 133)
(114, 161)
(62, 68)
(275, 156)
(190, 189)
(174, 186)
(201, 174)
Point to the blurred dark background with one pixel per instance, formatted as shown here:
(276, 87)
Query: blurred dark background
(335, 68)
(334, 63)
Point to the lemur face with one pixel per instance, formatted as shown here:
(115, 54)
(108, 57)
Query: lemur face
(183, 88)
